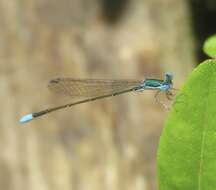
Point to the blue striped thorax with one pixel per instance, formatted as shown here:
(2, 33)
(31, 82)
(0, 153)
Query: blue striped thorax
(163, 85)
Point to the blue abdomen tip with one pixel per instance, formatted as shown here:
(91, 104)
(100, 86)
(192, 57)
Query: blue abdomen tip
(26, 118)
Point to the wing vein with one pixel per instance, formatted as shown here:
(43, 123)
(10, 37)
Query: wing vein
(89, 87)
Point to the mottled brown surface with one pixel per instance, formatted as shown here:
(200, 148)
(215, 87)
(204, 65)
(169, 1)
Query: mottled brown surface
(110, 144)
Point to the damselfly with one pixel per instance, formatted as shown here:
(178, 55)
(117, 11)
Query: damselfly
(96, 89)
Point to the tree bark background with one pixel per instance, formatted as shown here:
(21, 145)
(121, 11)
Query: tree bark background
(109, 144)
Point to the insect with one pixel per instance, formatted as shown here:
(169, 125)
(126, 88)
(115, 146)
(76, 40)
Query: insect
(96, 89)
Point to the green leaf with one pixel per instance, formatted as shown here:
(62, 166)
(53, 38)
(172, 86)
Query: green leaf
(187, 149)
(210, 46)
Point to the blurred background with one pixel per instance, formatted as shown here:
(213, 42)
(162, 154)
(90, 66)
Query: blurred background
(109, 144)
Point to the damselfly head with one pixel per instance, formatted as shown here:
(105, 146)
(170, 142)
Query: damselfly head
(168, 78)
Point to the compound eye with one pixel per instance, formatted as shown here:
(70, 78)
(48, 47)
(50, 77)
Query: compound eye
(169, 76)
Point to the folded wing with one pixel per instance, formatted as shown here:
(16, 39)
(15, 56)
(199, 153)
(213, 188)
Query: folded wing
(90, 87)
